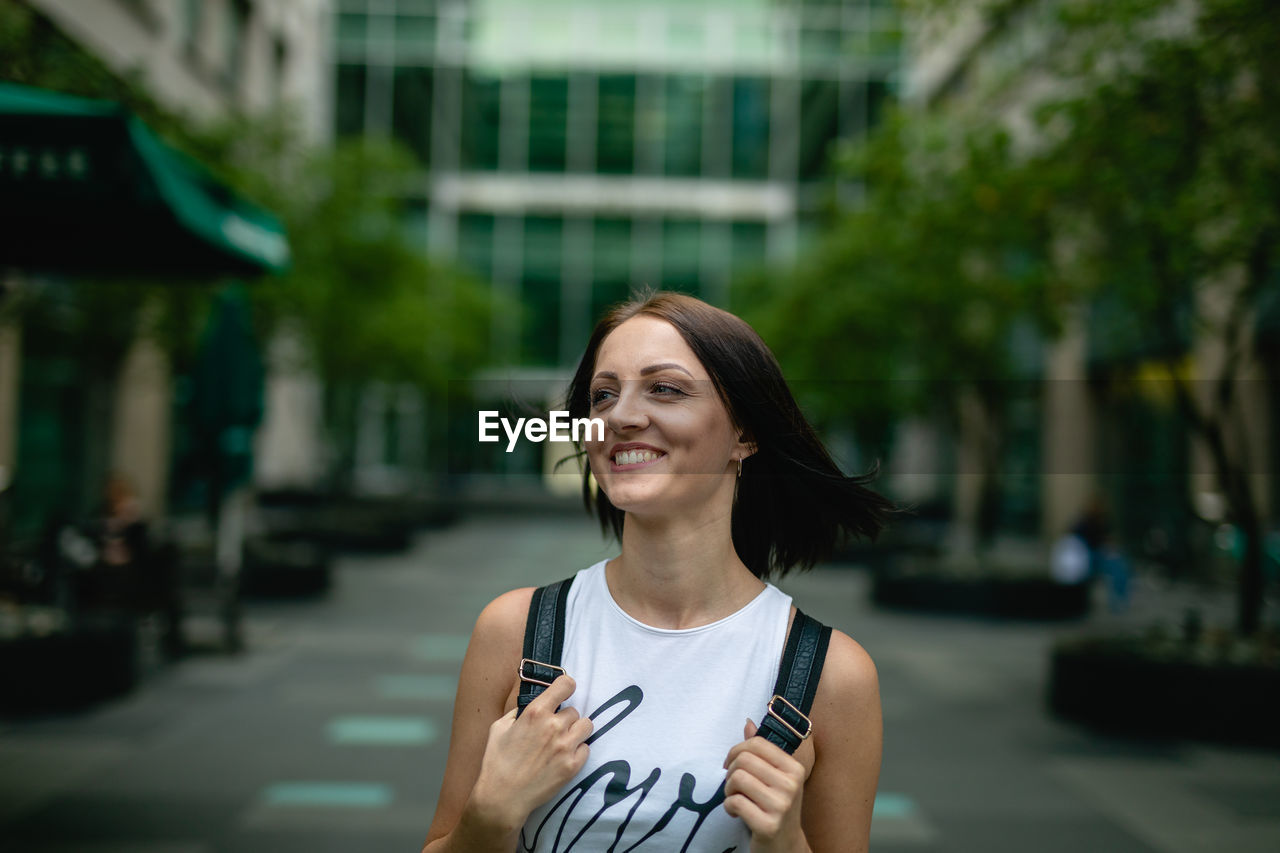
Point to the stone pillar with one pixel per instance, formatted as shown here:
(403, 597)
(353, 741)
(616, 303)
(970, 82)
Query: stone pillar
(10, 375)
(142, 423)
(1068, 456)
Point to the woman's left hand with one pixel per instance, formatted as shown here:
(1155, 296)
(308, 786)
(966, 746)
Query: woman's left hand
(764, 787)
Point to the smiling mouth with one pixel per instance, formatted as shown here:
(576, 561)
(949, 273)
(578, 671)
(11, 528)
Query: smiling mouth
(635, 457)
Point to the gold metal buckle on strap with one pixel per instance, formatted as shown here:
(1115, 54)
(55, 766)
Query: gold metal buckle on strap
(525, 661)
(808, 724)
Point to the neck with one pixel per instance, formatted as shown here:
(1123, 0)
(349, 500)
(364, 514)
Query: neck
(680, 573)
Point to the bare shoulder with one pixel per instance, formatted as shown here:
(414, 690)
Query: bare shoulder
(849, 670)
(499, 629)
(848, 735)
(848, 694)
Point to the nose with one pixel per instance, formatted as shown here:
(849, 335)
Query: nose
(628, 414)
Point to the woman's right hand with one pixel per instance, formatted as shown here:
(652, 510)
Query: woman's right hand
(530, 757)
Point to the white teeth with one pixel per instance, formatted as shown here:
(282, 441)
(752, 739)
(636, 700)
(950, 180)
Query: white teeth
(632, 457)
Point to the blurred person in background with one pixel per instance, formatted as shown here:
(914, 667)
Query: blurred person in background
(1105, 558)
(713, 482)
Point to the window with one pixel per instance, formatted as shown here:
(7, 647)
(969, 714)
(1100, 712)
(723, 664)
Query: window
(481, 100)
(682, 124)
(475, 243)
(349, 109)
(235, 31)
(540, 290)
(751, 128)
(548, 117)
(819, 124)
(616, 124)
(682, 255)
(611, 264)
(411, 110)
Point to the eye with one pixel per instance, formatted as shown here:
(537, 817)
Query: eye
(599, 396)
(667, 388)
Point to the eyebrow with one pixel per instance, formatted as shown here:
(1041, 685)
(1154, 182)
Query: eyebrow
(645, 371)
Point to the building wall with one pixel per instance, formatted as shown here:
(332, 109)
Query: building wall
(572, 151)
(206, 58)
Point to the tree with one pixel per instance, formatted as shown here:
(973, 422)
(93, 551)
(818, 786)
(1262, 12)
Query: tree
(1152, 179)
(920, 289)
(1165, 170)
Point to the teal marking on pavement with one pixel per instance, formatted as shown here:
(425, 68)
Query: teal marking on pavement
(383, 731)
(429, 687)
(440, 647)
(894, 806)
(355, 795)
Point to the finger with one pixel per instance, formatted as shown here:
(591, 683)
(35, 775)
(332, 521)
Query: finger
(752, 815)
(769, 799)
(787, 784)
(551, 698)
(749, 730)
(581, 730)
(772, 753)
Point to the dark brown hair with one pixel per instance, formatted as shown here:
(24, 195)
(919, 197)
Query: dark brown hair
(793, 502)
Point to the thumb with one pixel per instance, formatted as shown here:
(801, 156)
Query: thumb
(749, 729)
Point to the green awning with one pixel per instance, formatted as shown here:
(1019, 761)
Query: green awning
(86, 187)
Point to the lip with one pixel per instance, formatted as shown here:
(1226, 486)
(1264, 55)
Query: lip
(633, 445)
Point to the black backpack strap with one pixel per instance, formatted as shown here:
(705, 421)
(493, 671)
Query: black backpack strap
(786, 722)
(543, 641)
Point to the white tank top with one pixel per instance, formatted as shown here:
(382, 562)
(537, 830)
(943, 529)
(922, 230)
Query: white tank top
(667, 705)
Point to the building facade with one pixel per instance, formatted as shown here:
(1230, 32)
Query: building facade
(572, 152)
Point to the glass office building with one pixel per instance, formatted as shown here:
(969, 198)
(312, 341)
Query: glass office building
(572, 151)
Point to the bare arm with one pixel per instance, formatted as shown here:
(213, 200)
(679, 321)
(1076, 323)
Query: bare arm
(499, 769)
(848, 740)
(821, 798)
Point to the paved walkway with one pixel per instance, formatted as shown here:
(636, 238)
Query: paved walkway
(329, 734)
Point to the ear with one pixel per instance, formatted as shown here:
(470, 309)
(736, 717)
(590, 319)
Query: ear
(746, 445)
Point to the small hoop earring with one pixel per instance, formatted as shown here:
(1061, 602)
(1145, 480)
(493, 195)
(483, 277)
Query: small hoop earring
(739, 469)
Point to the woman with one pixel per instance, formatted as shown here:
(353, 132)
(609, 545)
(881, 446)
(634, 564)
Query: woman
(713, 481)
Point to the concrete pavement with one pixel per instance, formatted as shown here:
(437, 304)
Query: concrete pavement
(330, 733)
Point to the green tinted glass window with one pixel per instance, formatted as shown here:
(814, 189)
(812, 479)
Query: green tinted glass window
(616, 124)
(878, 96)
(682, 124)
(352, 29)
(349, 107)
(411, 110)
(751, 128)
(819, 124)
(649, 124)
(543, 245)
(475, 243)
(415, 38)
(681, 254)
(540, 311)
(548, 117)
(611, 266)
(481, 100)
(748, 247)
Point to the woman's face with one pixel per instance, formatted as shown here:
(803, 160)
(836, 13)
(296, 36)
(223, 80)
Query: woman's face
(670, 446)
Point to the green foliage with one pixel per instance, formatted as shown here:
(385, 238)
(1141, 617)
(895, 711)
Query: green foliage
(912, 298)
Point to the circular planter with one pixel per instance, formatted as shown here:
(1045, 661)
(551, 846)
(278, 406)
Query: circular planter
(998, 597)
(68, 669)
(1119, 689)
